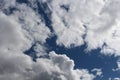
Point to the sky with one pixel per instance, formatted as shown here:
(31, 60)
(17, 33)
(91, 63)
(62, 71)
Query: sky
(59, 40)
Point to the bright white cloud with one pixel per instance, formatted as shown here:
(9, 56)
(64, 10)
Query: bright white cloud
(31, 23)
(118, 63)
(18, 66)
(94, 22)
(100, 17)
(116, 78)
(18, 31)
(68, 25)
(60, 68)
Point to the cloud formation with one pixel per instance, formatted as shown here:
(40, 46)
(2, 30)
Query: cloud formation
(74, 23)
(94, 22)
(97, 71)
(17, 66)
(19, 30)
(118, 66)
(114, 79)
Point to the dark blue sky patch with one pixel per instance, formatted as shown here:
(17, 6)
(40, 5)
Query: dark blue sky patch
(9, 11)
(86, 60)
(65, 7)
(31, 52)
(45, 12)
(22, 1)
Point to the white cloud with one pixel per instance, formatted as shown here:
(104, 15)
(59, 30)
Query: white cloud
(60, 68)
(5, 4)
(118, 66)
(97, 71)
(18, 31)
(68, 36)
(32, 26)
(68, 26)
(114, 79)
(18, 66)
(105, 30)
(100, 17)
(118, 63)
(11, 34)
(32, 23)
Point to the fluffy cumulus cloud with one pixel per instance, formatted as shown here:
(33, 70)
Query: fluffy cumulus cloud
(11, 34)
(114, 79)
(73, 18)
(94, 22)
(60, 68)
(97, 71)
(118, 63)
(17, 66)
(118, 66)
(20, 28)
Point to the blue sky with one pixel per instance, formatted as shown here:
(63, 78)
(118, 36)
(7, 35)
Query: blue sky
(88, 60)
(83, 59)
(86, 32)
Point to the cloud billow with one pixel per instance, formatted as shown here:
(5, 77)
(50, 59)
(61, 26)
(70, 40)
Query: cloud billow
(91, 22)
(19, 30)
(97, 21)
